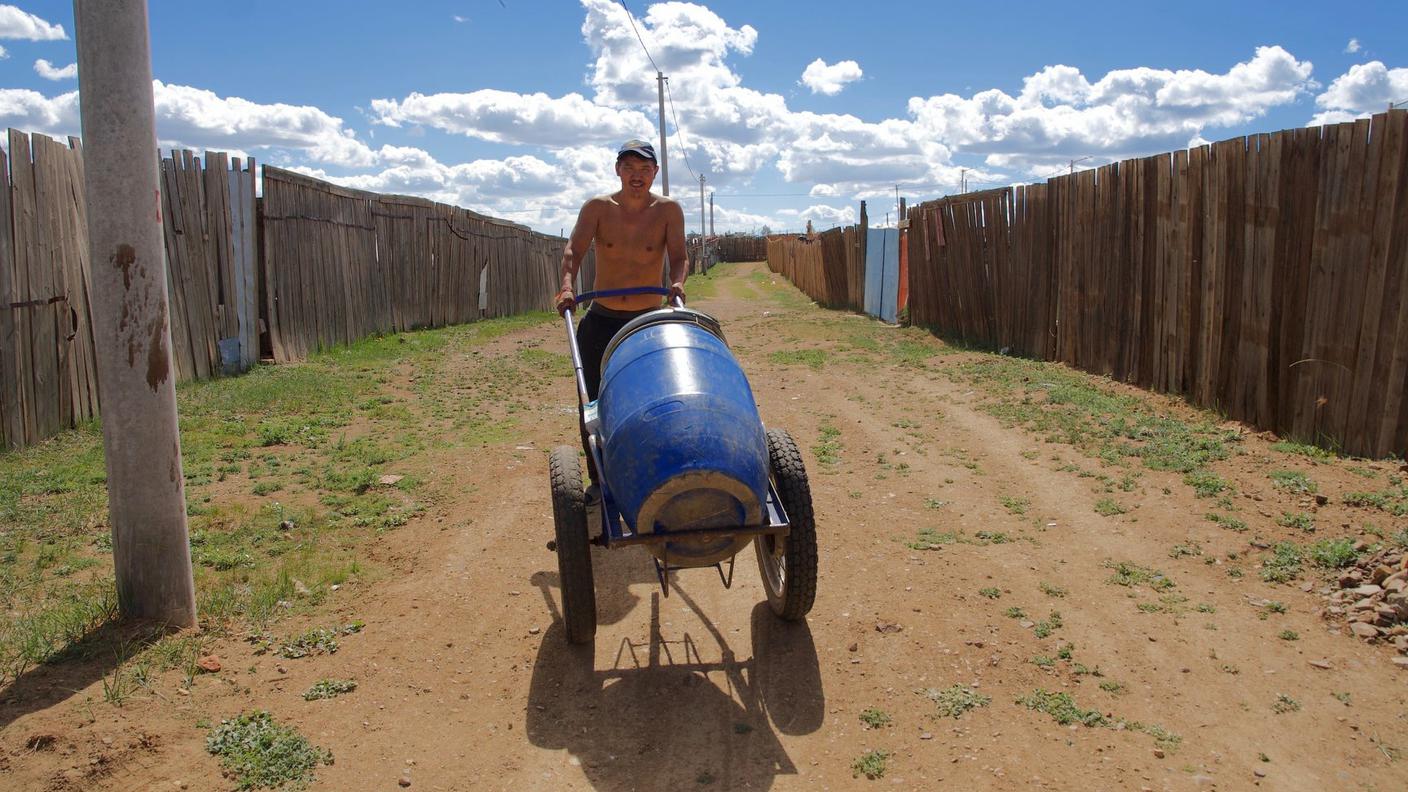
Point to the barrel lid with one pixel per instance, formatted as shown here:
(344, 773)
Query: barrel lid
(663, 316)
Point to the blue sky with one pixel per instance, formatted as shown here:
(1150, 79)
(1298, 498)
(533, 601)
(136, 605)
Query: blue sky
(793, 111)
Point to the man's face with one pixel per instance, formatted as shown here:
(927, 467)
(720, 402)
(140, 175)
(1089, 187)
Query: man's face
(637, 173)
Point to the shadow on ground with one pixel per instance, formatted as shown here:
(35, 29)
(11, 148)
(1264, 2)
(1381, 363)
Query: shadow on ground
(661, 717)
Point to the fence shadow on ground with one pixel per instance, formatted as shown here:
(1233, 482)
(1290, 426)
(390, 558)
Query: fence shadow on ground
(663, 718)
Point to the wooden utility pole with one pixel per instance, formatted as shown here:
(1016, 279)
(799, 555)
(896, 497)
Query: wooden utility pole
(131, 328)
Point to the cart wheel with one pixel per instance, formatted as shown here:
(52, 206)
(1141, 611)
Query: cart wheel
(789, 575)
(574, 559)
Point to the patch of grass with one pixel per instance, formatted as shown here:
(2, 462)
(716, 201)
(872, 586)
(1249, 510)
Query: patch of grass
(1393, 500)
(258, 752)
(1016, 505)
(1342, 697)
(932, 539)
(1062, 708)
(317, 641)
(1283, 565)
(1107, 507)
(875, 718)
(1050, 624)
(1334, 553)
(1130, 574)
(1228, 522)
(934, 503)
(953, 701)
(1284, 704)
(1205, 483)
(1042, 661)
(1292, 481)
(1299, 520)
(1051, 590)
(329, 688)
(812, 358)
(828, 446)
(1302, 449)
(871, 764)
(1288, 635)
(1188, 549)
(1111, 686)
(990, 592)
(1015, 612)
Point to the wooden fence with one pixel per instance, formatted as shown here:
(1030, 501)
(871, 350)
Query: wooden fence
(1264, 276)
(48, 374)
(739, 248)
(829, 267)
(343, 264)
(333, 266)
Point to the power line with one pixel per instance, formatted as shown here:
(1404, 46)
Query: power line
(679, 130)
(632, 20)
(764, 195)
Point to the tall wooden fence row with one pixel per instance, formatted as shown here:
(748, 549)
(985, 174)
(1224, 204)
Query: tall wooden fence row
(739, 248)
(329, 267)
(48, 374)
(343, 264)
(1265, 276)
(829, 267)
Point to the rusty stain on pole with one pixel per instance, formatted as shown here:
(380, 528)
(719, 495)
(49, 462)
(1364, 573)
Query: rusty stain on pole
(131, 332)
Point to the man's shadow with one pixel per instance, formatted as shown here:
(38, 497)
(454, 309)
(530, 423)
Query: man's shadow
(661, 717)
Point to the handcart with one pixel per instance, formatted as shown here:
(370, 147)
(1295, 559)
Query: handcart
(683, 467)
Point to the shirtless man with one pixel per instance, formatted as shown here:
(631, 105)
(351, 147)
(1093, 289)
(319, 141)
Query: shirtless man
(633, 229)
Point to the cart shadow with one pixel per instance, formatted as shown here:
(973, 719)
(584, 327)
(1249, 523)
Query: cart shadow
(663, 718)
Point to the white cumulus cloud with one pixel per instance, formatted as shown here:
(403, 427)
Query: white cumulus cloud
(830, 79)
(1352, 47)
(1365, 89)
(49, 71)
(505, 117)
(17, 24)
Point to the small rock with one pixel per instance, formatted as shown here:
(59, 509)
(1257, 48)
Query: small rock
(855, 647)
(1364, 630)
(1368, 590)
(1027, 624)
(390, 479)
(887, 627)
(1323, 665)
(926, 736)
(405, 781)
(1401, 662)
(1158, 753)
(1351, 579)
(534, 630)
(1380, 574)
(1321, 500)
(1259, 773)
(1361, 545)
(286, 525)
(977, 644)
(210, 664)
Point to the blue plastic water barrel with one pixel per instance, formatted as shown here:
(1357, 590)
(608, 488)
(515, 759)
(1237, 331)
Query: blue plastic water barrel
(683, 444)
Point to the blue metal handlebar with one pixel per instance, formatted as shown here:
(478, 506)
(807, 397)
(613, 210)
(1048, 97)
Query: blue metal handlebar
(592, 295)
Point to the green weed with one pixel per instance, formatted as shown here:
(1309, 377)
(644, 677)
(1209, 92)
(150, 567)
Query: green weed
(871, 764)
(258, 752)
(953, 701)
(874, 718)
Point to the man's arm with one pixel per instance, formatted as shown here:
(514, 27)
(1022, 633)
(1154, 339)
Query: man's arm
(674, 245)
(576, 248)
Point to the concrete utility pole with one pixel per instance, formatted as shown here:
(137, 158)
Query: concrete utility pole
(141, 442)
(664, 160)
(711, 213)
(703, 240)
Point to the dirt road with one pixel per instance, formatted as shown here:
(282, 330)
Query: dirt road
(961, 545)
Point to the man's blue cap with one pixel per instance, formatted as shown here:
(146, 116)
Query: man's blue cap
(639, 148)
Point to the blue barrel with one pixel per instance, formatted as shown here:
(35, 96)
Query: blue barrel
(683, 446)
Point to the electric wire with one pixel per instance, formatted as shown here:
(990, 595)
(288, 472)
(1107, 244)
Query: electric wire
(631, 18)
(679, 131)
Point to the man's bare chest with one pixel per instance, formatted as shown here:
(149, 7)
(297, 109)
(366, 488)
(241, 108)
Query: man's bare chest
(640, 232)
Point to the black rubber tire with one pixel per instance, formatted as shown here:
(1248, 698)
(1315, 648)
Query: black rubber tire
(791, 593)
(574, 554)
